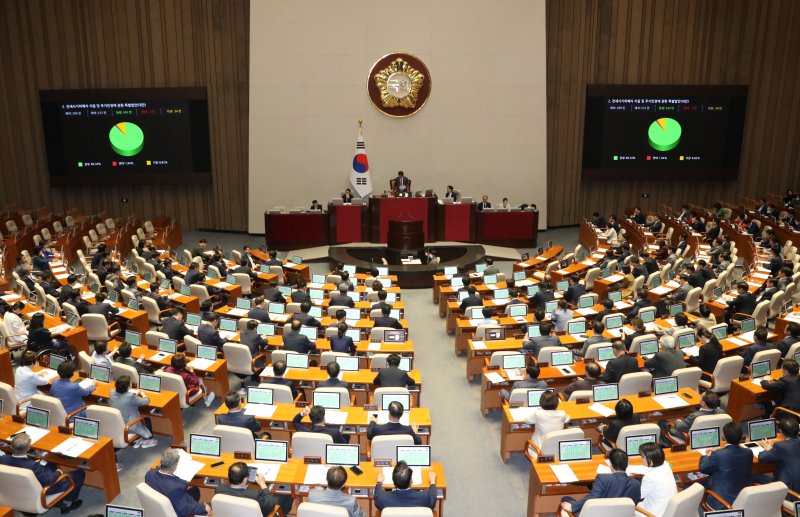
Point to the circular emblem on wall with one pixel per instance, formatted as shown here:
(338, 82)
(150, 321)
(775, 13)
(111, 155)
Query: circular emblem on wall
(399, 84)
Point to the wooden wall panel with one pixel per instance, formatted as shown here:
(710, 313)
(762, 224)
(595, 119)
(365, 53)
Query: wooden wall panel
(753, 42)
(48, 44)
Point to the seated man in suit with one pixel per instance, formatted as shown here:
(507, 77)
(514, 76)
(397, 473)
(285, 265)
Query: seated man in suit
(393, 426)
(793, 330)
(641, 302)
(392, 376)
(402, 495)
(208, 334)
(305, 318)
(71, 393)
(382, 295)
(315, 205)
(333, 380)
(300, 294)
(237, 487)
(193, 275)
(787, 387)
(638, 216)
(785, 454)
(484, 203)
(598, 328)
(667, 360)
(401, 185)
(294, 341)
(681, 292)
(729, 467)
(616, 484)
(341, 342)
(385, 320)
(637, 268)
(575, 289)
(760, 344)
(451, 193)
(535, 344)
(174, 326)
(46, 474)
(333, 495)
(259, 311)
(473, 299)
(317, 416)
(251, 338)
(67, 292)
(273, 259)
(100, 307)
(775, 262)
(124, 352)
(532, 382)
(185, 501)
(491, 268)
(278, 369)
(709, 405)
(235, 416)
(341, 298)
(273, 294)
(620, 365)
(591, 378)
(347, 196)
(638, 330)
(745, 302)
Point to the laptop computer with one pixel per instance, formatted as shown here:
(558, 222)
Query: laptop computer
(260, 395)
(86, 428)
(513, 361)
(574, 450)
(414, 455)
(665, 385)
(150, 383)
(205, 445)
(328, 400)
(605, 392)
(632, 443)
(344, 455)
(704, 438)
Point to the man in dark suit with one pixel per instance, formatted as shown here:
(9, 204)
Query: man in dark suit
(273, 294)
(451, 193)
(300, 294)
(775, 262)
(393, 426)
(770, 289)
(696, 278)
(124, 352)
(392, 376)
(484, 203)
(401, 184)
(745, 302)
(305, 318)
(273, 259)
(47, 474)
(402, 496)
(333, 380)
(667, 360)
(620, 365)
(616, 484)
(193, 275)
(174, 326)
(69, 290)
(785, 454)
(347, 196)
(237, 487)
(638, 269)
(184, 500)
(317, 416)
(575, 289)
(681, 292)
(382, 295)
(387, 321)
(545, 294)
(259, 311)
(235, 416)
(294, 341)
(278, 369)
(207, 332)
(705, 270)
(341, 298)
(592, 377)
(473, 299)
(535, 344)
(641, 302)
(788, 387)
(100, 307)
(252, 339)
(638, 216)
(638, 330)
(793, 331)
(315, 205)
(729, 467)
(759, 344)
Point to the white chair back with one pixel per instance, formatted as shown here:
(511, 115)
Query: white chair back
(689, 377)
(23, 492)
(235, 439)
(762, 500)
(9, 399)
(497, 357)
(551, 439)
(546, 353)
(309, 444)
(609, 507)
(58, 416)
(385, 447)
(633, 383)
(240, 361)
(727, 370)
(112, 424)
(119, 369)
(153, 503)
(280, 394)
(320, 510)
(685, 502)
(231, 506)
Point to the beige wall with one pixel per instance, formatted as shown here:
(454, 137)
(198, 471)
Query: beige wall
(483, 128)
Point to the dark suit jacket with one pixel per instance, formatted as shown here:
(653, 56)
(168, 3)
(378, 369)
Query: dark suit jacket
(132, 362)
(44, 475)
(388, 321)
(341, 299)
(483, 204)
(300, 296)
(259, 314)
(786, 455)
(254, 341)
(343, 344)
(272, 294)
(574, 292)
(66, 293)
(744, 303)
(106, 309)
(404, 498)
(540, 299)
(751, 351)
(617, 484)
(265, 499)
(783, 346)
(175, 329)
(333, 382)
(208, 335)
(616, 425)
(296, 342)
(629, 339)
(333, 432)
(639, 304)
(391, 428)
(709, 357)
(306, 319)
(192, 277)
(175, 489)
(789, 389)
(665, 362)
(470, 301)
(393, 377)
(639, 270)
(729, 469)
(579, 385)
(239, 419)
(618, 367)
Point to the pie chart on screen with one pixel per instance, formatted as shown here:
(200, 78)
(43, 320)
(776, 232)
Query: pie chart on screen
(664, 134)
(127, 139)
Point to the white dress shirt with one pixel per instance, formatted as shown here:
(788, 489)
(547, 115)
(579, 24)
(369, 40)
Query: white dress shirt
(26, 381)
(546, 421)
(658, 487)
(14, 325)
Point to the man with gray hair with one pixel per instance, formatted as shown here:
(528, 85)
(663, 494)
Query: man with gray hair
(185, 500)
(341, 299)
(333, 495)
(666, 361)
(47, 475)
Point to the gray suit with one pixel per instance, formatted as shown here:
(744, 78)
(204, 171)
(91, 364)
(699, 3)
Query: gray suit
(336, 498)
(333, 382)
(128, 404)
(665, 362)
(535, 344)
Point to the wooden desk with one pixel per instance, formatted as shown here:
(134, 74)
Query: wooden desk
(6, 370)
(98, 462)
(294, 231)
(6, 511)
(505, 228)
(362, 347)
(539, 261)
(744, 395)
(76, 337)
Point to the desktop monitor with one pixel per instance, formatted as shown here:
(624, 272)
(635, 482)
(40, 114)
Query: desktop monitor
(382, 271)
(576, 327)
(748, 325)
(414, 455)
(353, 334)
(328, 400)
(704, 438)
(317, 279)
(210, 273)
(456, 281)
(348, 363)
(562, 285)
(113, 510)
(244, 303)
(761, 430)
(266, 329)
(55, 360)
(50, 308)
(574, 450)
(675, 309)
(474, 313)
(285, 290)
(316, 294)
(309, 332)
(228, 324)
(720, 332)
(615, 296)
(562, 358)
(686, 340)
(534, 396)
(614, 321)
(585, 301)
(760, 369)
(345, 455)
(550, 306)
(207, 352)
(133, 338)
(391, 297)
(655, 282)
(133, 304)
(450, 270)
(461, 295)
(735, 513)
(665, 385)
(100, 373)
(150, 383)
(718, 292)
(632, 443)
(518, 275)
(168, 346)
(648, 315)
(580, 256)
(205, 444)
(533, 289)
(352, 313)
(72, 319)
(648, 347)
(194, 319)
(605, 353)
(315, 312)
(272, 450)
(534, 331)
(351, 269)
(511, 361)
(517, 310)
(147, 276)
(164, 284)
(37, 417)
(297, 361)
(480, 268)
(356, 297)
(186, 290)
(94, 287)
(86, 428)
(259, 395)
(394, 336)
(605, 272)
(297, 259)
(403, 398)
(230, 279)
(563, 264)
(605, 392)
(405, 364)
(500, 294)
(276, 308)
(490, 279)
(495, 334)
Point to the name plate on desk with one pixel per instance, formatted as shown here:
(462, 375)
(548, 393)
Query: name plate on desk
(678, 448)
(242, 455)
(545, 459)
(300, 404)
(382, 463)
(581, 401)
(543, 365)
(312, 460)
(370, 407)
(493, 367)
(645, 393)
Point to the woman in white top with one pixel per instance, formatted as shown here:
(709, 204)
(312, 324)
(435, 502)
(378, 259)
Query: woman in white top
(658, 485)
(17, 333)
(99, 356)
(26, 380)
(561, 315)
(547, 418)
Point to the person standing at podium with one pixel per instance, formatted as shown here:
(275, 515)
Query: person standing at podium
(484, 203)
(401, 184)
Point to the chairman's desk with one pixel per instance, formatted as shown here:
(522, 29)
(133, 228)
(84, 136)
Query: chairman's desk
(98, 462)
(291, 476)
(280, 425)
(295, 231)
(545, 490)
(514, 433)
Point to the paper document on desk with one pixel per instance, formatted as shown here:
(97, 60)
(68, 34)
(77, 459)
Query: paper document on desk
(237, 312)
(187, 467)
(501, 301)
(36, 433)
(267, 372)
(691, 351)
(661, 290)
(564, 473)
(514, 374)
(588, 262)
(476, 321)
(523, 283)
(260, 410)
(602, 410)
(222, 285)
(73, 447)
(317, 475)
(614, 278)
(268, 470)
(602, 468)
(333, 417)
(383, 417)
(757, 382)
(622, 305)
(159, 356)
(586, 312)
(479, 345)
(374, 347)
(227, 335)
(49, 374)
(86, 384)
(201, 364)
(738, 342)
(123, 311)
(748, 336)
(416, 476)
(87, 295)
(521, 414)
(174, 296)
(494, 377)
(637, 470)
(58, 329)
(670, 401)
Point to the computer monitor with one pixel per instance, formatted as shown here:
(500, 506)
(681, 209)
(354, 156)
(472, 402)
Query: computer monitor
(732, 513)
(550, 306)
(100, 373)
(150, 383)
(272, 450)
(113, 510)
(720, 332)
(309, 332)
(605, 272)
(50, 308)
(686, 340)
(614, 321)
(517, 310)
(655, 282)
(480, 268)
(718, 292)
(316, 294)
(518, 275)
(563, 264)
(228, 324)
(352, 313)
(762, 429)
(474, 312)
(585, 302)
(760, 369)
(394, 336)
(259, 395)
(405, 364)
(315, 312)
(675, 309)
(534, 331)
(648, 315)
(580, 256)
(495, 334)
(285, 290)
(297, 259)
(534, 396)
(164, 284)
(266, 329)
(207, 352)
(562, 285)
(704, 438)
(562, 358)
(133, 338)
(500, 293)
(461, 295)
(276, 308)
(403, 398)
(193, 319)
(351, 269)
(55, 360)
(345, 455)
(354, 334)
(37, 417)
(414, 455)
(605, 353)
(186, 290)
(168, 346)
(615, 296)
(205, 444)
(318, 279)
(665, 385)
(648, 347)
(748, 325)
(605, 392)
(533, 289)
(347, 364)
(574, 450)
(450, 270)
(391, 297)
(297, 361)
(382, 271)
(356, 297)
(576, 327)
(86, 428)
(632, 443)
(133, 304)
(457, 281)
(94, 287)
(511, 361)
(230, 279)
(490, 279)
(244, 303)
(328, 400)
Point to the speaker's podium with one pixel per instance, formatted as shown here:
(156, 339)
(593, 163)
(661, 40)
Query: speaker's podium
(403, 239)
(384, 210)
